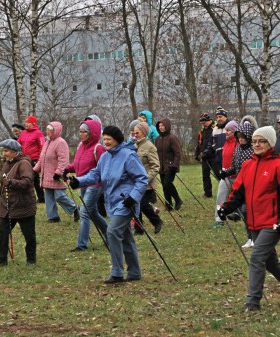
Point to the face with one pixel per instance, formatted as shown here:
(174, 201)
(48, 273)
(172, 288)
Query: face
(109, 142)
(229, 133)
(9, 154)
(84, 136)
(242, 138)
(278, 125)
(161, 127)
(16, 132)
(221, 119)
(142, 118)
(205, 124)
(138, 134)
(28, 125)
(260, 145)
(132, 133)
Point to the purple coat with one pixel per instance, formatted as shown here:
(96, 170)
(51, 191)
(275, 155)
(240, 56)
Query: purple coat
(53, 159)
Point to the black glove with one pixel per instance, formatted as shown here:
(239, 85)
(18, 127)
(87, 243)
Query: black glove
(129, 202)
(221, 212)
(56, 177)
(197, 158)
(64, 174)
(204, 155)
(222, 174)
(74, 183)
(173, 169)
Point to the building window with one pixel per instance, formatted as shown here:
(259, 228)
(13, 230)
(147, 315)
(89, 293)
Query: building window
(99, 86)
(90, 56)
(177, 82)
(257, 44)
(120, 54)
(74, 88)
(96, 56)
(107, 55)
(273, 43)
(102, 56)
(113, 54)
(124, 85)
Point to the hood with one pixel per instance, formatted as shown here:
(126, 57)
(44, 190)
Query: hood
(167, 123)
(95, 130)
(57, 129)
(247, 129)
(148, 115)
(93, 118)
(250, 119)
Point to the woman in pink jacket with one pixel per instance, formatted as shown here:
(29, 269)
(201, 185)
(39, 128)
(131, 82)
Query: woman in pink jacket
(87, 156)
(53, 159)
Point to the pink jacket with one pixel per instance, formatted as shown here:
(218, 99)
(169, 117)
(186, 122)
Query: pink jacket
(32, 141)
(53, 159)
(88, 153)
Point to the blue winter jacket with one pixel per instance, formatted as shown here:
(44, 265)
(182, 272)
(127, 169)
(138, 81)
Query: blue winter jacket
(121, 172)
(153, 134)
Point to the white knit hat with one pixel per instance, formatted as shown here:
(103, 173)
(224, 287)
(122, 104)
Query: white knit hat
(268, 133)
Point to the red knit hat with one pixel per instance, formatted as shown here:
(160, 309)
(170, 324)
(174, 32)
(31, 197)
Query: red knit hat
(31, 119)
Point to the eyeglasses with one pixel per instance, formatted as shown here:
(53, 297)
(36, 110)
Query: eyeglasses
(259, 141)
(136, 133)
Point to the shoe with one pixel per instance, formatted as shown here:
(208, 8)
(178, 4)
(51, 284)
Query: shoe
(218, 225)
(76, 215)
(78, 249)
(114, 279)
(207, 196)
(158, 227)
(168, 207)
(132, 278)
(248, 244)
(54, 219)
(40, 201)
(138, 233)
(178, 205)
(30, 263)
(252, 307)
(234, 217)
(3, 264)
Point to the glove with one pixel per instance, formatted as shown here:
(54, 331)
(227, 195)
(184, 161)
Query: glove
(221, 212)
(222, 174)
(173, 169)
(204, 155)
(64, 174)
(74, 183)
(129, 202)
(56, 177)
(197, 158)
(277, 228)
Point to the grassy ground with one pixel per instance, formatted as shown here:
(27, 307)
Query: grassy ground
(64, 294)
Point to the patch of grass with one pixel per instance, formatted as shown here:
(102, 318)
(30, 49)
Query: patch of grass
(64, 294)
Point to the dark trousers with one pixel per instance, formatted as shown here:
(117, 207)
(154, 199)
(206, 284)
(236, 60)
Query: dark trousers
(27, 226)
(146, 208)
(207, 166)
(38, 188)
(169, 190)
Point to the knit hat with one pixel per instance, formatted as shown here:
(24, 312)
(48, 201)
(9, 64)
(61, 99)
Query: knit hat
(93, 118)
(133, 124)
(144, 128)
(278, 120)
(84, 127)
(11, 144)
(221, 111)
(268, 133)
(31, 119)
(205, 118)
(232, 126)
(114, 132)
(18, 126)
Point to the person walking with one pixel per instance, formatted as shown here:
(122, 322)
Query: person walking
(149, 157)
(32, 140)
(147, 116)
(124, 180)
(17, 130)
(87, 156)
(257, 184)
(17, 202)
(169, 152)
(52, 162)
(204, 136)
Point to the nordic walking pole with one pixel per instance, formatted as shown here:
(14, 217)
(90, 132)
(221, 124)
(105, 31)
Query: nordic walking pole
(149, 237)
(11, 248)
(190, 191)
(168, 210)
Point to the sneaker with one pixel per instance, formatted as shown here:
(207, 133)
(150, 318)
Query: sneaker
(178, 204)
(248, 244)
(76, 215)
(78, 249)
(54, 219)
(114, 279)
(207, 196)
(30, 263)
(234, 217)
(252, 307)
(158, 227)
(218, 225)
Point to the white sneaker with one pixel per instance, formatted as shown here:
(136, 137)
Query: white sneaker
(248, 244)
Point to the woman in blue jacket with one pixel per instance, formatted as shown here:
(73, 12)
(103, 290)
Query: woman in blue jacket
(121, 172)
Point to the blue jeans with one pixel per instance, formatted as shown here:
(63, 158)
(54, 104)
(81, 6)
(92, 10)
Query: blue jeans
(121, 243)
(58, 196)
(90, 197)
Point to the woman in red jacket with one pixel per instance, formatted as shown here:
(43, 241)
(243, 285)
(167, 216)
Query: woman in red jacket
(257, 185)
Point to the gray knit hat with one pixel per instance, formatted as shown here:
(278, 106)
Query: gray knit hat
(11, 144)
(84, 127)
(133, 124)
(268, 133)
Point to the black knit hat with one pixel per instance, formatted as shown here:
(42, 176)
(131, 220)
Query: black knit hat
(114, 132)
(18, 126)
(205, 118)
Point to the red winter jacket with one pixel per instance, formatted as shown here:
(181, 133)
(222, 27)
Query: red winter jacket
(32, 141)
(228, 150)
(257, 183)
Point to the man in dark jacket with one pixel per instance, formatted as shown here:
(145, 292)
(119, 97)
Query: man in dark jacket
(217, 140)
(203, 138)
(169, 153)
